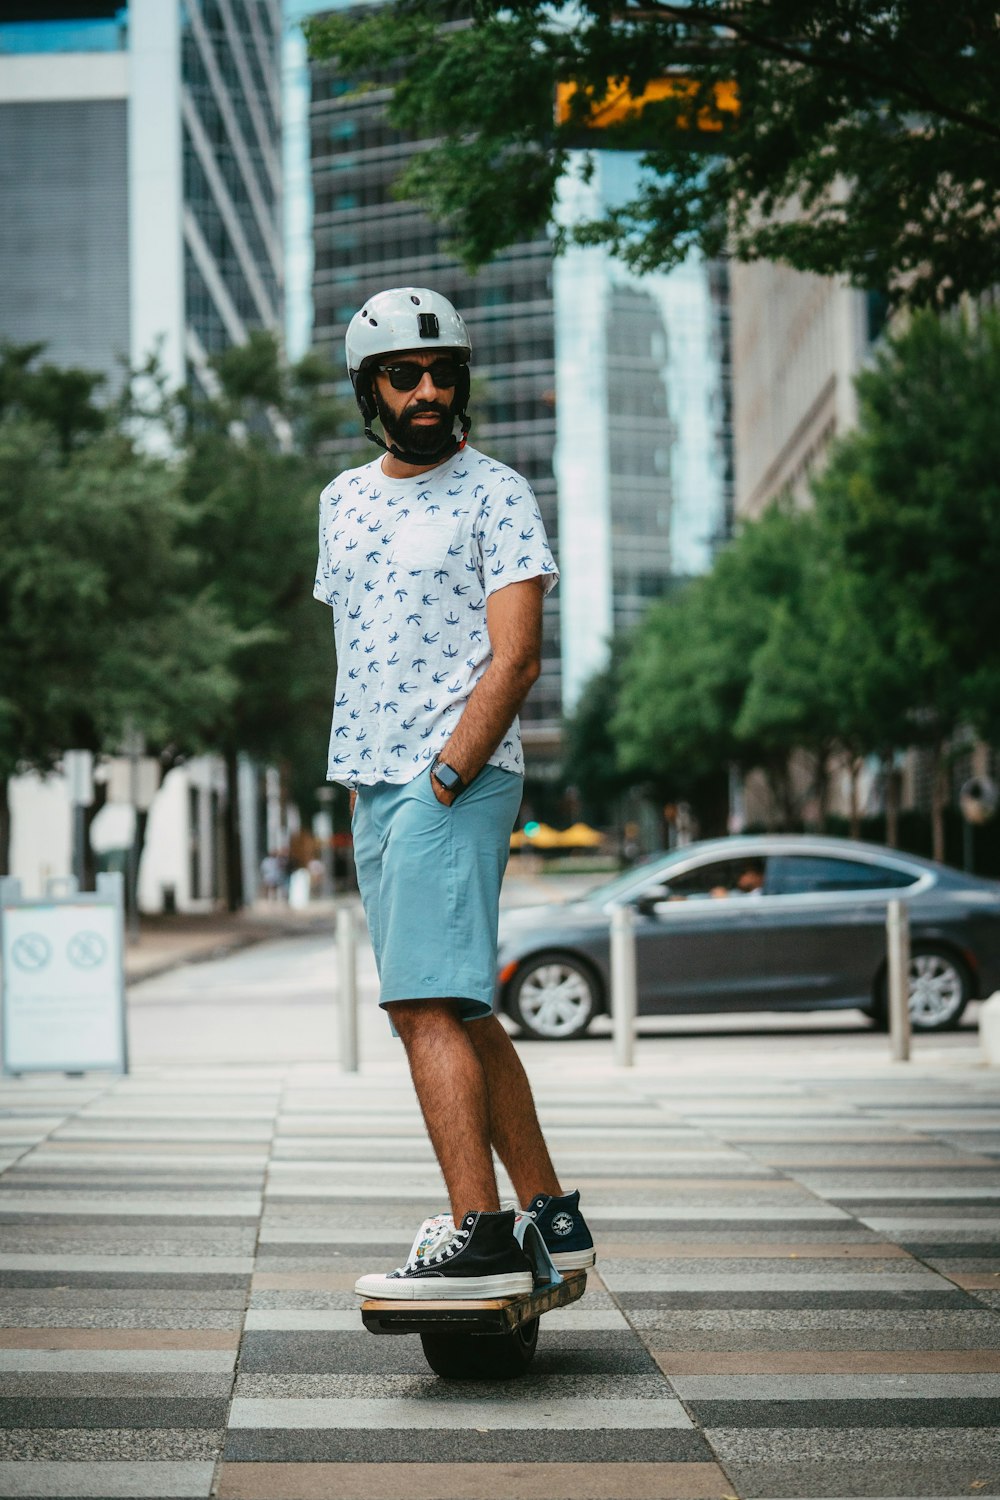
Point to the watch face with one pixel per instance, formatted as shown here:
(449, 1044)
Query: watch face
(447, 777)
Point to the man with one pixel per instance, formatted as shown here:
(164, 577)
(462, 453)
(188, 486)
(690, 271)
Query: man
(434, 560)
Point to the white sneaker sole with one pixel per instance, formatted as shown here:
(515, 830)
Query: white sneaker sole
(574, 1260)
(444, 1288)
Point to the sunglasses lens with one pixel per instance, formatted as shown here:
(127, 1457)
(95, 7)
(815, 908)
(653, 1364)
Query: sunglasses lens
(408, 375)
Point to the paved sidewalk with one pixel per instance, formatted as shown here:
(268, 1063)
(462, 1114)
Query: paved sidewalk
(798, 1289)
(166, 941)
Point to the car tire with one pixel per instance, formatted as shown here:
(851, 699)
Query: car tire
(553, 997)
(940, 989)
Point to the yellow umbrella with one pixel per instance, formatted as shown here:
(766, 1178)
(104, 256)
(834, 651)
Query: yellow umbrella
(582, 836)
(544, 837)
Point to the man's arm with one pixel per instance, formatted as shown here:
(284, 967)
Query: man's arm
(514, 624)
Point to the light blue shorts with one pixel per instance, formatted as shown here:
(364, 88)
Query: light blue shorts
(430, 883)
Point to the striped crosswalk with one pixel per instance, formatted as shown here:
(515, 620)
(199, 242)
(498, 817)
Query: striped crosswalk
(797, 1291)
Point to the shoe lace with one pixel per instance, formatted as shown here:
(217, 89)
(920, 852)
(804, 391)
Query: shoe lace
(436, 1239)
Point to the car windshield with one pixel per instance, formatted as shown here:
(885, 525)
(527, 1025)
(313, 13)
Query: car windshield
(637, 875)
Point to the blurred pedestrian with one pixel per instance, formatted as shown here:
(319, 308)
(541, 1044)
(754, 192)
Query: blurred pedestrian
(435, 562)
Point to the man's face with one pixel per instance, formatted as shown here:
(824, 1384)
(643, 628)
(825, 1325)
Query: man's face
(419, 420)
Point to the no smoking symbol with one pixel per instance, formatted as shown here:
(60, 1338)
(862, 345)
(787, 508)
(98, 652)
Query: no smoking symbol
(86, 950)
(31, 952)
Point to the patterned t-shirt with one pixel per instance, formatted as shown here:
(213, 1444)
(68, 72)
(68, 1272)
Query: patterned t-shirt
(407, 566)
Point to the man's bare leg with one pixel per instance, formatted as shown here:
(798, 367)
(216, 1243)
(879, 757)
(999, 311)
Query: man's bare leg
(450, 1082)
(513, 1121)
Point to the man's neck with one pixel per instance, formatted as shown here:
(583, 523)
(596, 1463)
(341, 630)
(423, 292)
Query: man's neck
(395, 468)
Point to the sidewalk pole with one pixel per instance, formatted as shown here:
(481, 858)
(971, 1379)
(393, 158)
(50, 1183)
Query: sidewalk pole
(347, 969)
(897, 926)
(623, 984)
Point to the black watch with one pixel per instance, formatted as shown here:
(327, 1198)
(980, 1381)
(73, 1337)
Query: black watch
(447, 776)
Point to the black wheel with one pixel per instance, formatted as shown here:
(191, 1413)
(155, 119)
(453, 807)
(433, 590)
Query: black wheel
(553, 997)
(470, 1356)
(940, 989)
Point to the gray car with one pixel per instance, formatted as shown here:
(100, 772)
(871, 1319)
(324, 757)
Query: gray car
(775, 922)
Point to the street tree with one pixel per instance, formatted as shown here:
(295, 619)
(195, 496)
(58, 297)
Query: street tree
(689, 669)
(253, 472)
(864, 142)
(101, 614)
(912, 498)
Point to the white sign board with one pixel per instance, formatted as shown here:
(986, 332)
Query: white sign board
(63, 985)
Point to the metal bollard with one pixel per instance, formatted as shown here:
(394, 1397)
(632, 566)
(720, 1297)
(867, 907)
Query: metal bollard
(347, 972)
(623, 984)
(897, 931)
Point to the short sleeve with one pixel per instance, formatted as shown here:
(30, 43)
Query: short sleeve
(323, 586)
(512, 538)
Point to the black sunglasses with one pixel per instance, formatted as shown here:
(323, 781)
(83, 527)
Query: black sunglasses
(407, 375)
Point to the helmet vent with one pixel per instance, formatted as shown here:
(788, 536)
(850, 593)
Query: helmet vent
(415, 301)
(373, 322)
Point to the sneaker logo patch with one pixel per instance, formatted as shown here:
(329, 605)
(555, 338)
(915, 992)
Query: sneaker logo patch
(562, 1224)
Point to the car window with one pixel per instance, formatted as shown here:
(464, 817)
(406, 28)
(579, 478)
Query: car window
(806, 874)
(719, 879)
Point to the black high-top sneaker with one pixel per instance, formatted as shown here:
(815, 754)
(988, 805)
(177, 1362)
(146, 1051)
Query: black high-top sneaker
(480, 1258)
(564, 1230)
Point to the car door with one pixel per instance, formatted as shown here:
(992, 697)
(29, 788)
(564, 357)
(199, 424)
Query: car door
(698, 944)
(822, 920)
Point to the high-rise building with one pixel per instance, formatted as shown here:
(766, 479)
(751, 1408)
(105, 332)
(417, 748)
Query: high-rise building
(366, 239)
(140, 172)
(643, 456)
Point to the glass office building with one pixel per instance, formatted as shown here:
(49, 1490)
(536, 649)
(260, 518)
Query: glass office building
(140, 166)
(644, 450)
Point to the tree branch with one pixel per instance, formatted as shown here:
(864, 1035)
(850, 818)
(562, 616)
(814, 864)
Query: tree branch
(919, 95)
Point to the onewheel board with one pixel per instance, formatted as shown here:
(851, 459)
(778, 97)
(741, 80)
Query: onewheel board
(486, 1339)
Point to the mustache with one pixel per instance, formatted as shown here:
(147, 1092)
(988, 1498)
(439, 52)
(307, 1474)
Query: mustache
(427, 408)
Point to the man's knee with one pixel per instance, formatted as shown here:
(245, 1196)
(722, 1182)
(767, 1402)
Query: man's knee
(413, 1018)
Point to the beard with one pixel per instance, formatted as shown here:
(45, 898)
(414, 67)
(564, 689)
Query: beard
(417, 438)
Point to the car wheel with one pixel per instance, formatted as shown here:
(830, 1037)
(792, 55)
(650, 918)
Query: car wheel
(553, 997)
(940, 989)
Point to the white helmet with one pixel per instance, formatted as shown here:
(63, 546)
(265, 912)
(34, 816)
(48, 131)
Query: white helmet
(407, 319)
(404, 318)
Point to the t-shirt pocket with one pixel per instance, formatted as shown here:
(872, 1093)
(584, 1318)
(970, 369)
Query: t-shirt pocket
(422, 541)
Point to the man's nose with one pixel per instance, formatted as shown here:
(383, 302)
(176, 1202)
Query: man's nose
(426, 388)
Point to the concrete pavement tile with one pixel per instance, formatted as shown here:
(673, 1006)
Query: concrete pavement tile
(200, 1361)
(546, 1380)
(105, 1385)
(945, 1298)
(106, 1481)
(849, 1386)
(750, 1283)
(124, 1300)
(597, 1352)
(223, 1206)
(857, 1445)
(845, 1481)
(797, 1362)
(548, 1445)
(125, 1280)
(132, 1412)
(458, 1412)
(505, 1481)
(714, 1249)
(73, 1444)
(151, 1265)
(825, 1414)
(115, 1338)
(180, 1320)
